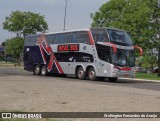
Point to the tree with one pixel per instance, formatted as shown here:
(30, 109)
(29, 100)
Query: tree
(155, 25)
(141, 18)
(25, 23)
(130, 15)
(3, 44)
(14, 47)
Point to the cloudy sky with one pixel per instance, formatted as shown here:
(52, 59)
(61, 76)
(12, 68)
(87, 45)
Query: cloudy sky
(78, 13)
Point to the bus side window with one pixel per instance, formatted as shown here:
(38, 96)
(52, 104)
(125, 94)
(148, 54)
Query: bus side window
(71, 38)
(82, 37)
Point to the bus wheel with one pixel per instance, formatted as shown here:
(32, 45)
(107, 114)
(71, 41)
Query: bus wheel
(37, 70)
(80, 73)
(44, 70)
(91, 74)
(113, 79)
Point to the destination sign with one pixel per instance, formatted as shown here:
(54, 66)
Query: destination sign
(71, 47)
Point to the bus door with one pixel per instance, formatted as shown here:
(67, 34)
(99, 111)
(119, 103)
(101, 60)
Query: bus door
(104, 54)
(71, 62)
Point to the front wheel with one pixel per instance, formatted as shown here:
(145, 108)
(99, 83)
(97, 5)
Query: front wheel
(92, 74)
(113, 79)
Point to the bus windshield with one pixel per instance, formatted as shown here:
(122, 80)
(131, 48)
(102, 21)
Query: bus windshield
(119, 37)
(123, 58)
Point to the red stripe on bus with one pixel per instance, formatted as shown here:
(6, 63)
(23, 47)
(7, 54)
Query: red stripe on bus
(91, 38)
(113, 46)
(42, 53)
(41, 40)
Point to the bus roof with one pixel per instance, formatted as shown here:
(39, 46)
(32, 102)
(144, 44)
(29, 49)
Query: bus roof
(76, 30)
(66, 31)
(107, 28)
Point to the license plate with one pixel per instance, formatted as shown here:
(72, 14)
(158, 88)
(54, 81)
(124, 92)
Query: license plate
(125, 75)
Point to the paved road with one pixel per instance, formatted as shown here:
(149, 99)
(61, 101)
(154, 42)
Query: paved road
(22, 91)
(149, 85)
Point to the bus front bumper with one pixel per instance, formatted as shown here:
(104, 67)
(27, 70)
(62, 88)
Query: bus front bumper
(125, 74)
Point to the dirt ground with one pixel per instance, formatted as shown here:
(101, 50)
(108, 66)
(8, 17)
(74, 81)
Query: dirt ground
(54, 94)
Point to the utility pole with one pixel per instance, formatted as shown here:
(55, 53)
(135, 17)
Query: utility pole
(65, 14)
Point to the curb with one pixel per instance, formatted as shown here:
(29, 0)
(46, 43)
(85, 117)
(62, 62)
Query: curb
(137, 79)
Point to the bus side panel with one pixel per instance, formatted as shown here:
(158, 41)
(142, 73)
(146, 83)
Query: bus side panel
(32, 56)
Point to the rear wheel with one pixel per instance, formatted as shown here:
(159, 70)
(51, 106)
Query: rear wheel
(113, 79)
(44, 70)
(80, 73)
(37, 70)
(92, 74)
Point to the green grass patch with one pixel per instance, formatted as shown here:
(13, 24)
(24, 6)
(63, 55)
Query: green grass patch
(147, 76)
(8, 64)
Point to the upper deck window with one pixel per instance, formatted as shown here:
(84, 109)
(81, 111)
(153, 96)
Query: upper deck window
(99, 35)
(119, 37)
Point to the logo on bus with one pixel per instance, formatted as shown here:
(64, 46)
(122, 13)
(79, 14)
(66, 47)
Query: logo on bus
(72, 47)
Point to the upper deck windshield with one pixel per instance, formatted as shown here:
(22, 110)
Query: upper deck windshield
(115, 36)
(120, 37)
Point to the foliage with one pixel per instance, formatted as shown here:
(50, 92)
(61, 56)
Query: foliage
(3, 44)
(14, 47)
(25, 23)
(135, 16)
(141, 18)
(149, 61)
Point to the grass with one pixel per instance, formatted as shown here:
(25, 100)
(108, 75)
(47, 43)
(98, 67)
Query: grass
(147, 76)
(8, 64)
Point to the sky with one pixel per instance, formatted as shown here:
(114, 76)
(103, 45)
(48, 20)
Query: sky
(78, 13)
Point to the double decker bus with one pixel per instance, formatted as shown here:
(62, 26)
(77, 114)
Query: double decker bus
(96, 53)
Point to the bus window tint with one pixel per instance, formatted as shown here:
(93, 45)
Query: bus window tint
(118, 36)
(50, 39)
(31, 40)
(103, 52)
(61, 38)
(82, 37)
(71, 37)
(100, 36)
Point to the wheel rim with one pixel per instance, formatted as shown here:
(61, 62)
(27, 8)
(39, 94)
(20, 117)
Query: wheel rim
(37, 69)
(43, 71)
(80, 73)
(91, 74)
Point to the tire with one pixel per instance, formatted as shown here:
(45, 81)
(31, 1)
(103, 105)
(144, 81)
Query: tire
(113, 79)
(44, 71)
(80, 74)
(37, 70)
(92, 74)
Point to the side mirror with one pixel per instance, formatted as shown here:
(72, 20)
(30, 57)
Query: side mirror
(140, 50)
